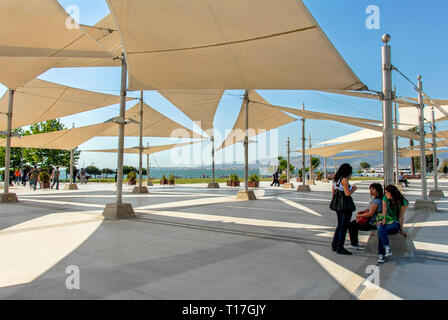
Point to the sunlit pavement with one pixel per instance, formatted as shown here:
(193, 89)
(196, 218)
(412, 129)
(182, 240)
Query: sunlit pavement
(190, 242)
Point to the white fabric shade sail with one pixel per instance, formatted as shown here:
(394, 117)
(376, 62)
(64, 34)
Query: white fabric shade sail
(67, 139)
(32, 42)
(416, 153)
(40, 100)
(199, 105)
(426, 101)
(262, 118)
(355, 136)
(372, 144)
(358, 122)
(147, 150)
(231, 44)
(155, 124)
(410, 118)
(372, 96)
(354, 156)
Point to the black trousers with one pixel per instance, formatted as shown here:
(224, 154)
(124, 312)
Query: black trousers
(276, 182)
(353, 229)
(340, 233)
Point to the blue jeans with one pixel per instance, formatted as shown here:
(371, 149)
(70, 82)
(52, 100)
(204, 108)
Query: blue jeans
(383, 231)
(341, 230)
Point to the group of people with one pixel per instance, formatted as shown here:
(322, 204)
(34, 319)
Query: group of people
(385, 213)
(32, 176)
(81, 175)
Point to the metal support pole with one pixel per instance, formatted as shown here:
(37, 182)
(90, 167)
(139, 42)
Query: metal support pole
(335, 166)
(147, 166)
(246, 143)
(434, 151)
(396, 139)
(72, 161)
(121, 126)
(388, 147)
(311, 164)
(213, 159)
(287, 169)
(325, 167)
(140, 182)
(303, 149)
(421, 111)
(8, 142)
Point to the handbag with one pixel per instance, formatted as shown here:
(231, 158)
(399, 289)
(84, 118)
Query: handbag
(341, 202)
(362, 221)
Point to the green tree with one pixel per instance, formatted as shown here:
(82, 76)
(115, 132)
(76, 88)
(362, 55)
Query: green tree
(429, 163)
(315, 162)
(364, 165)
(92, 170)
(127, 169)
(47, 158)
(107, 171)
(444, 167)
(283, 164)
(16, 160)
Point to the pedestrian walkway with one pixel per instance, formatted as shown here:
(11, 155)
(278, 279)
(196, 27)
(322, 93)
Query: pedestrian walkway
(190, 242)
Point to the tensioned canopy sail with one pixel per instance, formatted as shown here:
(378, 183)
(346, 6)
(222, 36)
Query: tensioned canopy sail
(354, 156)
(147, 150)
(40, 100)
(368, 95)
(228, 44)
(67, 139)
(426, 101)
(372, 144)
(359, 122)
(416, 153)
(155, 124)
(262, 118)
(199, 105)
(410, 116)
(355, 136)
(32, 42)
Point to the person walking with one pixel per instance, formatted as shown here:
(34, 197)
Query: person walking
(275, 179)
(344, 215)
(391, 221)
(366, 220)
(34, 177)
(55, 177)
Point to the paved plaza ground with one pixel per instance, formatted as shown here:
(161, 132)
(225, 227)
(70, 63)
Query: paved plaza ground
(190, 242)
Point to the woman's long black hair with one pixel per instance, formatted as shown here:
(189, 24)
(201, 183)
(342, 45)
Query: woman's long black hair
(397, 197)
(344, 171)
(379, 190)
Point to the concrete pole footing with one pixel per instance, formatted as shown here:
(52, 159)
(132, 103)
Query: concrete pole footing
(425, 205)
(138, 189)
(304, 188)
(8, 198)
(436, 194)
(246, 195)
(213, 185)
(71, 186)
(115, 211)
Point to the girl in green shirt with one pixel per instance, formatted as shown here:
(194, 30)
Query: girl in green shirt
(391, 221)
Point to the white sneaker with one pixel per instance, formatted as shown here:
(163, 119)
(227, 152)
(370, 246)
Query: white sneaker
(381, 258)
(354, 247)
(388, 251)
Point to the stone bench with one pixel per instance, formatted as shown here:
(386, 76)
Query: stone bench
(401, 246)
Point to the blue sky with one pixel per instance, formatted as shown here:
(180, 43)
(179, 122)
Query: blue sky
(418, 29)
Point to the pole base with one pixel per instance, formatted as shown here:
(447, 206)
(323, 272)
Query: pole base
(246, 195)
(304, 188)
(288, 186)
(140, 190)
(71, 186)
(436, 194)
(8, 198)
(311, 183)
(114, 211)
(213, 185)
(425, 205)
(149, 184)
(325, 181)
